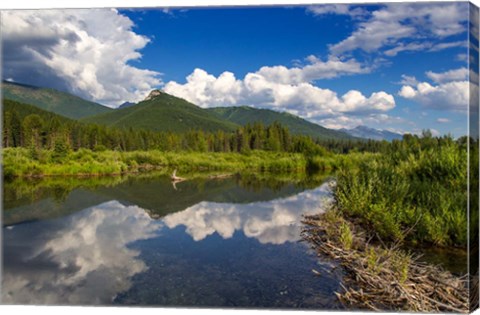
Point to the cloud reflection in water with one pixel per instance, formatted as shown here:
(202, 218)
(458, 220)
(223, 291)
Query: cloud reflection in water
(85, 258)
(274, 222)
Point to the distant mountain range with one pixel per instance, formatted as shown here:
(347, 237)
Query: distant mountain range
(161, 111)
(164, 112)
(126, 104)
(54, 101)
(374, 134)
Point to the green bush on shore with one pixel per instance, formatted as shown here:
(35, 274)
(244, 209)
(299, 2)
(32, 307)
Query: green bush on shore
(419, 185)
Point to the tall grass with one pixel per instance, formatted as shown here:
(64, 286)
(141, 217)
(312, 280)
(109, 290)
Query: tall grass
(19, 162)
(419, 186)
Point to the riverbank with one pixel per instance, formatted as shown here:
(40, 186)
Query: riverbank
(381, 278)
(21, 162)
(419, 185)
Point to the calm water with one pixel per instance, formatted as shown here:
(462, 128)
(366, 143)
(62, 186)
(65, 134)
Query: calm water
(225, 243)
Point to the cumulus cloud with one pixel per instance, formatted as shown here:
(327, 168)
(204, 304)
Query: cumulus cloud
(389, 27)
(315, 70)
(75, 261)
(449, 90)
(284, 89)
(272, 222)
(444, 96)
(86, 52)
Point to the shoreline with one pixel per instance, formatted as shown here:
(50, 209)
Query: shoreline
(380, 277)
(18, 162)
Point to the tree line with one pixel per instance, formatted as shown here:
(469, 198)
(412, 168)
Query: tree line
(30, 127)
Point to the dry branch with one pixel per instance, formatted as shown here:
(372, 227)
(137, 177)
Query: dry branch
(380, 278)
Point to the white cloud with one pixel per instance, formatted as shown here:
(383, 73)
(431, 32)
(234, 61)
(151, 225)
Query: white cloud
(462, 57)
(442, 46)
(315, 70)
(445, 96)
(373, 35)
(406, 47)
(283, 89)
(451, 91)
(443, 120)
(82, 51)
(434, 132)
(341, 9)
(381, 121)
(408, 80)
(425, 46)
(460, 74)
(388, 26)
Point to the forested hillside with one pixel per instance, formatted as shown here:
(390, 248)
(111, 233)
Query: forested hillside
(61, 103)
(28, 126)
(164, 112)
(247, 115)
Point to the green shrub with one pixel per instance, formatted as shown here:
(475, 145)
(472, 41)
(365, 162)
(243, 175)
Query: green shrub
(419, 185)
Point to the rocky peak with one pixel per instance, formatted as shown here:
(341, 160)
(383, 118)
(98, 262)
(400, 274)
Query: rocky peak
(153, 94)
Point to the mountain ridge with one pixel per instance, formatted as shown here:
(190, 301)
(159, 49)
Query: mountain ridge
(58, 102)
(372, 133)
(297, 125)
(160, 111)
(163, 112)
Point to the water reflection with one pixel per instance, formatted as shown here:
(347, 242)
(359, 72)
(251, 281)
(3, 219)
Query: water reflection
(119, 252)
(83, 259)
(274, 222)
(26, 201)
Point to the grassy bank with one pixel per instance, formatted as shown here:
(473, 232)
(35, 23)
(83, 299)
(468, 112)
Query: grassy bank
(21, 162)
(377, 277)
(416, 191)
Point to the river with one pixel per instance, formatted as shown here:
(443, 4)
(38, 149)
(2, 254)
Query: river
(231, 242)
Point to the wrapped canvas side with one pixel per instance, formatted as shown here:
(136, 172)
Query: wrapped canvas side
(473, 156)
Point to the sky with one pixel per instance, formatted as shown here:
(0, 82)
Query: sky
(396, 66)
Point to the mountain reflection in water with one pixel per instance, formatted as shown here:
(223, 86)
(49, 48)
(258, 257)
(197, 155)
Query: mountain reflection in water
(243, 254)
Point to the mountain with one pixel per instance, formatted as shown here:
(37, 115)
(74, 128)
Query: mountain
(374, 134)
(61, 103)
(126, 104)
(163, 112)
(244, 114)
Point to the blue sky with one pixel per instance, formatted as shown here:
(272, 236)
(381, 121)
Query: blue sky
(401, 67)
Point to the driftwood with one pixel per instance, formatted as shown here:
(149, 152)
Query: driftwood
(374, 279)
(176, 178)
